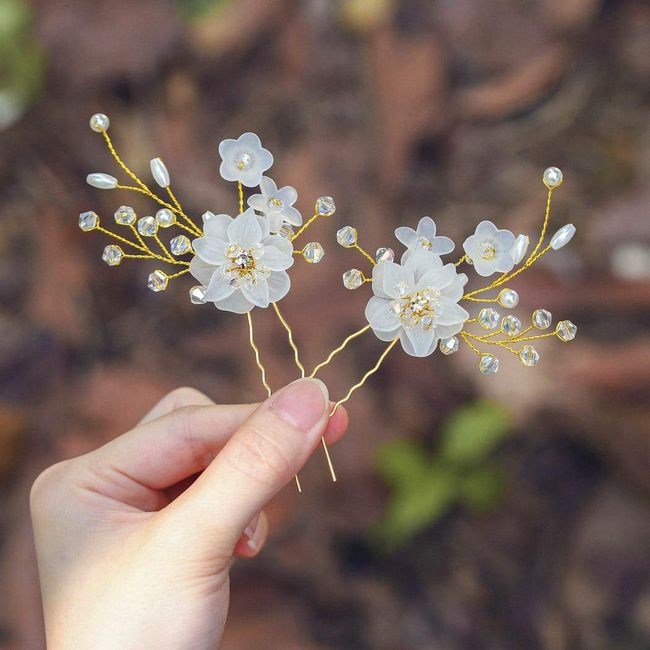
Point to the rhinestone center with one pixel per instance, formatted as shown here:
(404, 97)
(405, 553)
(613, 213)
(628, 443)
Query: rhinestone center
(419, 308)
(488, 252)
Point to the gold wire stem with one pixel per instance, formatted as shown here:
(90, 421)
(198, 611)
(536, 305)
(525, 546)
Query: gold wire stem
(191, 226)
(138, 236)
(305, 226)
(367, 255)
(151, 195)
(524, 331)
(363, 380)
(465, 336)
(536, 337)
(340, 348)
(138, 257)
(168, 255)
(240, 190)
(144, 249)
(461, 260)
(547, 216)
(468, 297)
(178, 275)
(121, 163)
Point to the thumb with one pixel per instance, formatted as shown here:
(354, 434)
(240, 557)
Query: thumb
(261, 457)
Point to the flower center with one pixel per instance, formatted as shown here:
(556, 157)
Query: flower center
(421, 307)
(488, 252)
(244, 161)
(423, 242)
(244, 266)
(275, 205)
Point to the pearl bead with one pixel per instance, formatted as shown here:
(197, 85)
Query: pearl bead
(101, 181)
(520, 248)
(99, 122)
(159, 172)
(552, 177)
(508, 298)
(563, 236)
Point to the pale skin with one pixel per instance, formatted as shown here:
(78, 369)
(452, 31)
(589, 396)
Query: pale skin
(135, 539)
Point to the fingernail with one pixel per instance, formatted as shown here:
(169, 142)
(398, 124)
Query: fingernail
(250, 531)
(302, 403)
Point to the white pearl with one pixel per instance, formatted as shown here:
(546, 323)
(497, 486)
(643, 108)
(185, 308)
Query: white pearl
(552, 177)
(101, 181)
(99, 122)
(520, 248)
(508, 298)
(159, 172)
(563, 236)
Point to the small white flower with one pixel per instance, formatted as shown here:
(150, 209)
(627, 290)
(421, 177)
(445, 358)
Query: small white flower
(417, 301)
(244, 160)
(276, 204)
(240, 263)
(490, 249)
(423, 237)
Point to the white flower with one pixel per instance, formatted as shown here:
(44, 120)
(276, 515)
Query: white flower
(423, 237)
(244, 160)
(240, 263)
(417, 301)
(490, 249)
(276, 204)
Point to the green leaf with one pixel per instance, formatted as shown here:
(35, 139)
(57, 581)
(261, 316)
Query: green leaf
(402, 461)
(483, 489)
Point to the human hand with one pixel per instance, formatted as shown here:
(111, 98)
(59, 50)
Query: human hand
(134, 549)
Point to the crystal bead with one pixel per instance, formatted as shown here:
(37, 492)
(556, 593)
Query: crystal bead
(563, 236)
(101, 181)
(125, 215)
(450, 345)
(99, 122)
(197, 295)
(552, 177)
(542, 319)
(519, 249)
(401, 289)
(384, 255)
(147, 226)
(511, 325)
(165, 218)
(180, 245)
(488, 318)
(158, 281)
(508, 298)
(566, 330)
(88, 221)
(529, 356)
(112, 255)
(347, 236)
(325, 206)
(159, 172)
(489, 364)
(286, 231)
(313, 252)
(352, 279)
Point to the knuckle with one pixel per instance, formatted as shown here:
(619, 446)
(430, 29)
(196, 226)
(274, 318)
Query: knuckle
(185, 396)
(188, 423)
(46, 486)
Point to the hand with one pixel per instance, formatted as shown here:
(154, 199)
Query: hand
(134, 549)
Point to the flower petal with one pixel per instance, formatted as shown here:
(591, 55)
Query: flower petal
(201, 270)
(504, 240)
(216, 225)
(485, 229)
(236, 303)
(279, 285)
(292, 216)
(421, 260)
(407, 236)
(210, 250)
(455, 290)
(387, 276)
(281, 243)
(437, 278)
(427, 228)
(380, 316)
(218, 289)
(452, 313)
(442, 245)
(503, 262)
(276, 260)
(268, 187)
(483, 267)
(258, 202)
(257, 293)
(417, 341)
(245, 229)
(228, 170)
(288, 195)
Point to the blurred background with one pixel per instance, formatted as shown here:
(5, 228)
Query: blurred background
(471, 512)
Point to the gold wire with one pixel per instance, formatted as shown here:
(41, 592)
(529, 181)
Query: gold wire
(465, 336)
(191, 226)
(365, 254)
(305, 226)
(178, 275)
(340, 348)
(168, 255)
(461, 260)
(122, 239)
(240, 189)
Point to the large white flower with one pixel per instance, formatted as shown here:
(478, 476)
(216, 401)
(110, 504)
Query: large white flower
(240, 263)
(244, 160)
(417, 301)
(490, 249)
(276, 204)
(423, 237)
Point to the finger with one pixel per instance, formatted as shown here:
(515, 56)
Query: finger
(178, 398)
(254, 536)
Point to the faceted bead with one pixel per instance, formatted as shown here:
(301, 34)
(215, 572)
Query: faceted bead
(165, 218)
(88, 221)
(313, 252)
(158, 281)
(101, 181)
(286, 231)
(384, 255)
(450, 345)
(542, 319)
(159, 172)
(99, 122)
(488, 318)
(180, 245)
(566, 330)
(552, 177)
(147, 226)
(347, 236)
(125, 215)
(112, 255)
(563, 236)
(519, 249)
(352, 279)
(325, 206)
(529, 356)
(511, 325)
(197, 295)
(508, 298)
(489, 364)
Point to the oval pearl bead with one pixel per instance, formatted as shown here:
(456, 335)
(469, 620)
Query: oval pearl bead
(563, 236)
(159, 172)
(101, 181)
(520, 248)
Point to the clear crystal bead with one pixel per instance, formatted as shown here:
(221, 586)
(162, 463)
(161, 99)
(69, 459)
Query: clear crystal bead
(180, 245)
(542, 319)
(112, 255)
(562, 237)
(511, 325)
(125, 215)
(552, 177)
(384, 254)
(508, 298)
(400, 288)
(99, 122)
(165, 218)
(101, 181)
(489, 364)
(313, 252)
(147, 226)
(395, 307)
(325, 206)
(566, 330)
(450, 345)
(286, 231)
(352, 279)
(488, 318)
(197, 295)
(158, 281)
(347, 236)
(519, 249)
(529, 356)
(88, 221)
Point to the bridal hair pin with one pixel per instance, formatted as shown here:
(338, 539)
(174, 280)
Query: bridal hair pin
(241, 263)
